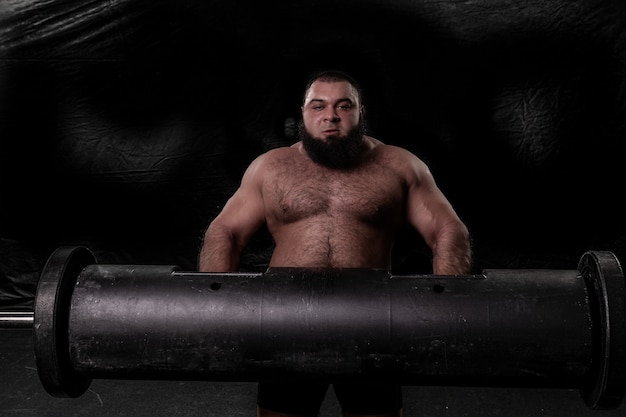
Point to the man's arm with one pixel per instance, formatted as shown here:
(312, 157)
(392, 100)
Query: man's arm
(230, 231)
(430, 212)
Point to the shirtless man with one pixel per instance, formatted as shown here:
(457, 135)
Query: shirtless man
(335, 199)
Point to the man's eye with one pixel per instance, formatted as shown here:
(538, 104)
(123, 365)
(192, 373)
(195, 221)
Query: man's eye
(318, 107)
(344, 107)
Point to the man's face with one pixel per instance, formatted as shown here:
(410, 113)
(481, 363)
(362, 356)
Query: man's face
(331, 110)
(331, 128)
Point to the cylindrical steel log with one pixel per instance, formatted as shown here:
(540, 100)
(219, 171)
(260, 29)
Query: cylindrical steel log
(539, 328)
(525, 327)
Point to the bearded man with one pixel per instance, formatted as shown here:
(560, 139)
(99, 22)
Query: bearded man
(335, 199)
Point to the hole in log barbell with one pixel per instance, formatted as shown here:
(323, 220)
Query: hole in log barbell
(509, 328)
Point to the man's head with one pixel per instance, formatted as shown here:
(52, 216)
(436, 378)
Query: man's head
(332, 124)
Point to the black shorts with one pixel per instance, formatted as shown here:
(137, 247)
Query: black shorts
(306, 397)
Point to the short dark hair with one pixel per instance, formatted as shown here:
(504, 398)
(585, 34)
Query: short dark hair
(333, 75)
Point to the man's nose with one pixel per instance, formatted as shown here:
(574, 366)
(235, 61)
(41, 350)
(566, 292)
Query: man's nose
(331, 114)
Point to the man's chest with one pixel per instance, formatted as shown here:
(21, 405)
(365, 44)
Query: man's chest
(371, 197)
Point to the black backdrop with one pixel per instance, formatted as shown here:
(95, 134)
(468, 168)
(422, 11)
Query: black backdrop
(126, 124)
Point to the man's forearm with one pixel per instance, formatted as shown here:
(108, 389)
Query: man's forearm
(219, 252)
(453, 254)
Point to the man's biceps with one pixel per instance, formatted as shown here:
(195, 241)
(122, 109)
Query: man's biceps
(250, 215)
(427, 219)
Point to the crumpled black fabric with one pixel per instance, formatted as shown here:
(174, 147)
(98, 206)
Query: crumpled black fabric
(19, 273)
(126, 124)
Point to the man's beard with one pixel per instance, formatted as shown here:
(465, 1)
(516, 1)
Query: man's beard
(338, 152)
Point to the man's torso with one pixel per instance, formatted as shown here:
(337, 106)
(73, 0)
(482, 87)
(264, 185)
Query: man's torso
(321, 217)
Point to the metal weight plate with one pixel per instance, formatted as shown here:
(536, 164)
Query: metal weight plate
(50, 323)
(606, 385)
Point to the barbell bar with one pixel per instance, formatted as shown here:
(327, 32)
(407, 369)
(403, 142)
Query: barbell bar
(508, 328)
(16, 319)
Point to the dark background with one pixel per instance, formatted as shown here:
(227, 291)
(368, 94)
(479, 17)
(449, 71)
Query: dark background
(125, 125)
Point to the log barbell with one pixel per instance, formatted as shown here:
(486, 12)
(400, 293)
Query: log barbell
(508, 328)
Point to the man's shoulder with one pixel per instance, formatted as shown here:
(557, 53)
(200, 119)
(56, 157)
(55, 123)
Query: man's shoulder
(394, 152)
(274, 155)
(401, 160)
(274, 158)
